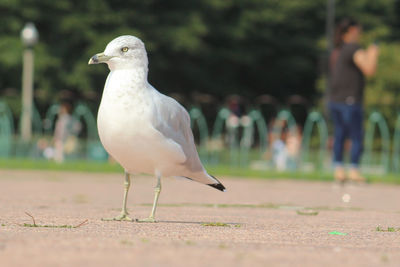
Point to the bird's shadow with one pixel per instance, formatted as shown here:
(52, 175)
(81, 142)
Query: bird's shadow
(200, 223)
(208, 223)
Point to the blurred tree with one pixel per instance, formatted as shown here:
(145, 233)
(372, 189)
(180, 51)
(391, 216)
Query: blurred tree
(212, 46)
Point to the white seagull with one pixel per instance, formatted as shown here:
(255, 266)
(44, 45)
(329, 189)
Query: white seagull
(144, 130)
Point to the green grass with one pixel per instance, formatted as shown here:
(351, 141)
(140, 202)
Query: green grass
(80, 166)
(223, 170)
(216, 170)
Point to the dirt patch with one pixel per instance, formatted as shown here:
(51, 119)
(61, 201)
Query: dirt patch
(255, 223)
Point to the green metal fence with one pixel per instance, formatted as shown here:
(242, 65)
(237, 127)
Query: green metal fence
(234, 141)
(376, 120)
(6, 130)
(197, 118)
(396, 146)
(94, 148)
(315, 119)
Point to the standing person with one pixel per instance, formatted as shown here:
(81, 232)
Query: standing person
(62, 131)
(349, 65)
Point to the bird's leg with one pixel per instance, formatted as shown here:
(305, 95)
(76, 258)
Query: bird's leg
(157, 191)
(124, 212)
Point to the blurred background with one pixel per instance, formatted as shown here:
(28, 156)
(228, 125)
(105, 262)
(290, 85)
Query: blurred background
(251, 73)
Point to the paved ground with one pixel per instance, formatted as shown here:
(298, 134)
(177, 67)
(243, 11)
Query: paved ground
(263, 229)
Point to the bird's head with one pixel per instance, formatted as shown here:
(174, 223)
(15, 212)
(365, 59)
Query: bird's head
(123, 52)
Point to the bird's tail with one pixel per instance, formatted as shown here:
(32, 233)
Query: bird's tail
(217, 185)
(206, 179)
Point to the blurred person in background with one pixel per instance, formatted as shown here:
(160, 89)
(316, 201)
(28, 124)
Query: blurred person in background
(65, 132)
(349, 65)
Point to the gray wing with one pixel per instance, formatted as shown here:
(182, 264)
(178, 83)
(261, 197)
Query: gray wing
(175, 125)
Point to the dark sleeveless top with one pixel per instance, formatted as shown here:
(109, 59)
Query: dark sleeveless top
(347, 80)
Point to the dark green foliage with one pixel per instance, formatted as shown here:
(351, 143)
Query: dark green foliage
(213, 46)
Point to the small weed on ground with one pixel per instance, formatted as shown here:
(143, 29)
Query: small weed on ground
(307, 212)
(222, 246)
(80, 199)
(389, 229)
(50, 226)
(126, 242)
(220, 224)
(384, 258)
(216, 224)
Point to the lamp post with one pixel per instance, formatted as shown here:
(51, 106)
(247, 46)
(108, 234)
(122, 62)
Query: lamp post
(29, 36)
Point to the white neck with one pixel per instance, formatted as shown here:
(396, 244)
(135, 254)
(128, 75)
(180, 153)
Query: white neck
(126, 80)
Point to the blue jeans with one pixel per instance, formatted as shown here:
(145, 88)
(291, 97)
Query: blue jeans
(347, 120)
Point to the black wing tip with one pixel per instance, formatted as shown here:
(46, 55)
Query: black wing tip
(219, 186)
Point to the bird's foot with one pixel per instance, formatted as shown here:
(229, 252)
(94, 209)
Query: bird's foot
(122, 217)
(148, 220)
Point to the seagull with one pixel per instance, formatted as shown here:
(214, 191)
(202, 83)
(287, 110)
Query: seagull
(142, 129)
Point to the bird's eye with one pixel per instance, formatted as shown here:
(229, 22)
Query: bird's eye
(124, 49)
